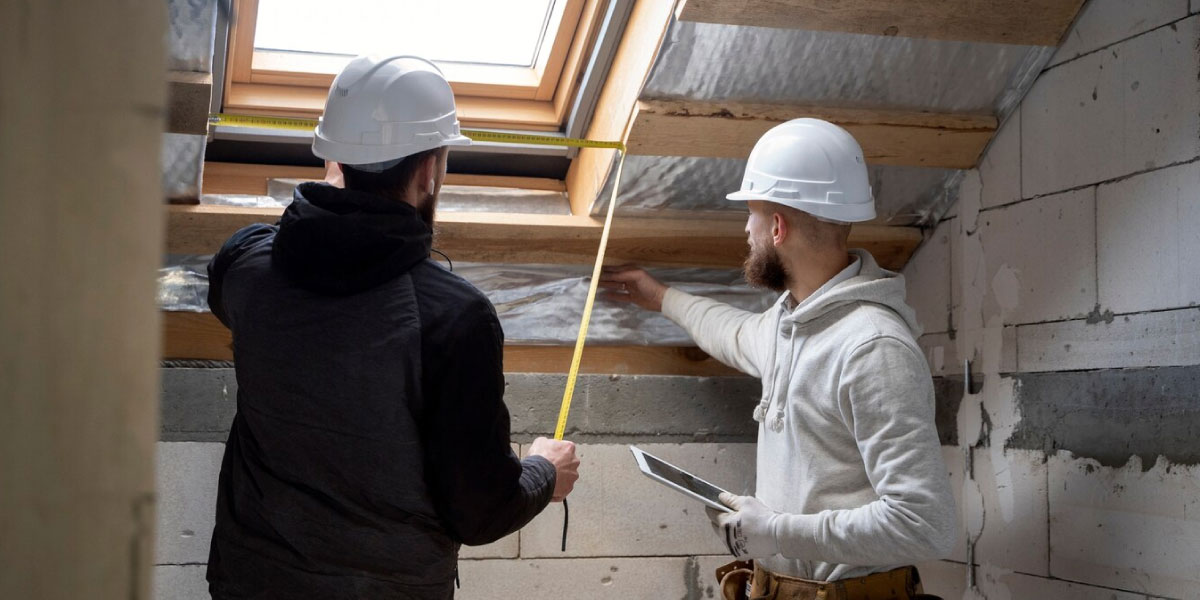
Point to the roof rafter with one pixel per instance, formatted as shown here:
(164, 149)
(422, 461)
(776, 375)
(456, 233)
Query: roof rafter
(730, 129)
(550, 239)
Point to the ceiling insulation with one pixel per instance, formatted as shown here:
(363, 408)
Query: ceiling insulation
(739, 64)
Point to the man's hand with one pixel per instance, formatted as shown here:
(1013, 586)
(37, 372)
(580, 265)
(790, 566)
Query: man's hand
(631, 284)
(749, 532)
(561, 454)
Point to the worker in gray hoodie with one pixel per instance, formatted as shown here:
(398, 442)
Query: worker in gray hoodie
(851, 485)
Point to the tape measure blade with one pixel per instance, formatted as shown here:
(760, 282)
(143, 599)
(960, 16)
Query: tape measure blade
(577, 358)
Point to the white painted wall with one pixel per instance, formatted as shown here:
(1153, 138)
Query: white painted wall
(1087, 201)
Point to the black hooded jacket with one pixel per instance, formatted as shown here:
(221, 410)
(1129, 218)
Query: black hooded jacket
(371, 437)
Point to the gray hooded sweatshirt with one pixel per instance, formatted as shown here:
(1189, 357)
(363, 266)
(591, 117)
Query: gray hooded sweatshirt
(847, 447)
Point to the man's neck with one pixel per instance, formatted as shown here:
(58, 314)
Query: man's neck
(813, 271)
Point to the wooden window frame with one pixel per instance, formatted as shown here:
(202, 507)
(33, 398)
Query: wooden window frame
(261, 82)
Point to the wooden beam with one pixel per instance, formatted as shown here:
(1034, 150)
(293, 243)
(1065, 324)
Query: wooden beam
(631, 65)
(189, 96)
(200, 336)
(1028, 22)
(550, 239)
(238, 178)
(888, 137)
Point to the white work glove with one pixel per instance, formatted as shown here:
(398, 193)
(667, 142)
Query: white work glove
(749, 531)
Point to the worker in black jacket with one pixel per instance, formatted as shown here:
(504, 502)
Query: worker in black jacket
(371, 437)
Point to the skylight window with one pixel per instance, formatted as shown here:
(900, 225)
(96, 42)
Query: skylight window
(511, 64)
(481, 32)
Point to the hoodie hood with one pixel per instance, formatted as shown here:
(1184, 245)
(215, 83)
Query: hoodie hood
(873, 284)
(340, 242)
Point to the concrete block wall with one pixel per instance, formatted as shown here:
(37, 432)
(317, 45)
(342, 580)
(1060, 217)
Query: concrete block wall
(629, 537)
(1069, 276)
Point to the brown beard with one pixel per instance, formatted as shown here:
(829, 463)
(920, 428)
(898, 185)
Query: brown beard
(428, 207)
(763, 268)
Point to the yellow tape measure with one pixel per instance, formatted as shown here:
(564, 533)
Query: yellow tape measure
(294, 124)
(573, 373)
(476, 135)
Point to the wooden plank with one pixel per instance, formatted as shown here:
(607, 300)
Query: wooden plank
(189, 97)
(239, 178)
(1029, 22)
(729, 130)
(631, 64)
(200, 336)
(550, 239)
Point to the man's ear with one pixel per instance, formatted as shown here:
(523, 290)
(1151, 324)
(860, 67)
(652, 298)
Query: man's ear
(428, 173)
(779, 229)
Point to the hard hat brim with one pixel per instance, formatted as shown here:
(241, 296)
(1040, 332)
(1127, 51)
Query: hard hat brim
(845, 213)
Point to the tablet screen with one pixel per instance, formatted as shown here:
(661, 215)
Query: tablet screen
(683, 479)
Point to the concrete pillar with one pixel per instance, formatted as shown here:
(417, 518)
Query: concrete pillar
(82, 98)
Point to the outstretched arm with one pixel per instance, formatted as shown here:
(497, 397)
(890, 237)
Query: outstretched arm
(731, 335)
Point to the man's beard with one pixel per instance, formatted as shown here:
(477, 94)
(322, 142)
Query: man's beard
(764, 268)
(428, 207)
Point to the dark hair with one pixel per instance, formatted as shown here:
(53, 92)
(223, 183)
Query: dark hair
(390, 182)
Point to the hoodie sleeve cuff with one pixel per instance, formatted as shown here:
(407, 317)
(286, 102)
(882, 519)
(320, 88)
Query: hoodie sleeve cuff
(796, 536)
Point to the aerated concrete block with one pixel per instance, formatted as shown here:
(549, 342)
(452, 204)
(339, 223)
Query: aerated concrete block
(578, 578)
(1147, 226)
(1126, 528)
(1120, 111)
(1160, 339)
(187, 500)
(1014, 502)
(941, 352)
(1000, 583)
(198, 405)
(1104, 22)
(1000, 166)
(943, 578)
(1048, 246)
(180, 582)
(927, 280)
(615, 510)
(630, 408)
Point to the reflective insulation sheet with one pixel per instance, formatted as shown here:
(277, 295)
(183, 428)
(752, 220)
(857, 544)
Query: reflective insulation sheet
(183, 283)
(182, 165)
(537, 304)
(661, 185)
(711, 62)
(704, 61)
(190, 30)
(453, 198)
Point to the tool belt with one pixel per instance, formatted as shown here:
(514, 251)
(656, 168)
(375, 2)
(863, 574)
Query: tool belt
(748, 581)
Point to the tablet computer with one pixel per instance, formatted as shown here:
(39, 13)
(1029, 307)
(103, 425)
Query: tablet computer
(679, 480)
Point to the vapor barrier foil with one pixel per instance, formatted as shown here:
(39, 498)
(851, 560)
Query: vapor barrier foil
(537, 304)
(190, 31)
(737, 64)
(657, 186)
(182, 163)
(704, 61)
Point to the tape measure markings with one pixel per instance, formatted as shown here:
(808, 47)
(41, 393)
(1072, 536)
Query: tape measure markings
(577, 357)
(478, 135)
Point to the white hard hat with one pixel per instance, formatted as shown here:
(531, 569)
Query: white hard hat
(381, 110)
(810, 165)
